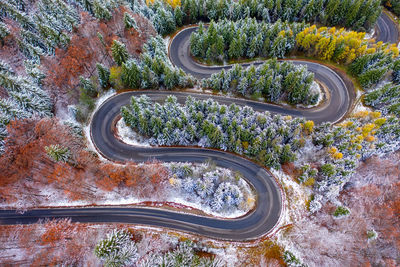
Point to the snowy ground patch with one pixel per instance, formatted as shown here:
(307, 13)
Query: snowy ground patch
(129, 136)
(167, 42)
(370, 35)
(296, 197)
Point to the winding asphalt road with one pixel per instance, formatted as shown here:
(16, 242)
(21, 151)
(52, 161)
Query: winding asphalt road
(269, 198)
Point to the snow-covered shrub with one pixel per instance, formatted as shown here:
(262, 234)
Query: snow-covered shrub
(315, 204)
(341, 212)
(308, 174)
(117, 249)
(291, 260)
(227, 195)
(372, 235)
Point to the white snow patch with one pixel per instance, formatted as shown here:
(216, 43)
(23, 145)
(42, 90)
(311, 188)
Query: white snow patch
(207, 209)
(230, 256)
(370, 35)
(129, 136)
(360, 107)
(166, 42)
(13, 254)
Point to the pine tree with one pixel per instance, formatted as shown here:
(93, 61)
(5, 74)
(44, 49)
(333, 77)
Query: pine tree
(58, 153)
(251, 52)
(178, 16)
(100, 11)
(88, 87)
(3, 31)
(131, 74)
(129, 21)
(103, 75)
(119, 52)
(117, 249)
(234, 49)
(171, 78)
(149, 79)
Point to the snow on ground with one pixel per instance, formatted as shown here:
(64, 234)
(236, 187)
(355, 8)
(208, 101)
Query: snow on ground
(360, 107)
(130, 137)
(295, 206)
(230, 256)
(314, 89)
(295, 200)
(370, 35)
(166, 42)
(207, 209)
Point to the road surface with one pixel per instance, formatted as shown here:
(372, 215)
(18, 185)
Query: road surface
(386, 29)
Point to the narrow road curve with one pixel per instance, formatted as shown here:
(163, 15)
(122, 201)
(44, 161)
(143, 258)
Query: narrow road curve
(269, 198)
(386, 29)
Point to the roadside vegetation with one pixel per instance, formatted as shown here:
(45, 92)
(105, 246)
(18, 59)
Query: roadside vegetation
(273, 81)
(359, 15)
(271, 140)
(245, 38)
(385, 99)
(152, 71)
(392, 5)
(62, 242)
(118, 249)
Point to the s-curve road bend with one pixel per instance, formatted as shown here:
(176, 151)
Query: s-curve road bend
(253, 225)
(386, 29)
